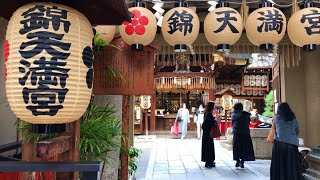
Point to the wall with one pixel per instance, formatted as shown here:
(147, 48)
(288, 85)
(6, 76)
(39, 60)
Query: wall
(293, 92)
(7, 118)
(312, 85)
(110, 171)
(300, 87)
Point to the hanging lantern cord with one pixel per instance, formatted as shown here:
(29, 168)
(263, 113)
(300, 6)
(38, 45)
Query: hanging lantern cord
(223, 3)
(307, 3)
(180, 3)
(265, 3)
(137, 3)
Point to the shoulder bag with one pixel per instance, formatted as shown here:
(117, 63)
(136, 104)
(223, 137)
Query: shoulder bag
(215, 131)
(272, 131)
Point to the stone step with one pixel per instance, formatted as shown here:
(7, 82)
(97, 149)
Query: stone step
(226, 145)
(311, 174)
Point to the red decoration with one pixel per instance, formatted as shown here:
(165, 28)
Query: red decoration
(140, 30)
(143, 20)
(129, 29)
(137, 24)
(6, 55)
(136, 13)
(134, 22)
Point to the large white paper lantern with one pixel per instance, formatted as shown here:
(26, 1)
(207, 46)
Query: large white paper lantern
(49, 63)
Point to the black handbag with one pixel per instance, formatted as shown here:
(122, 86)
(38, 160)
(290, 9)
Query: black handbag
(179, 119)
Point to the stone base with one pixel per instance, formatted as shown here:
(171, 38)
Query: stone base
(226, 144)
(313, 172)
(262, 148)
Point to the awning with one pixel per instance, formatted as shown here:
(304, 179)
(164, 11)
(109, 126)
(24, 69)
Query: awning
(99, 12)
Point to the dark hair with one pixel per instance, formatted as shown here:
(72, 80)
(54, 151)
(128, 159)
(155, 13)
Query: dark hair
(238, 106)
(209, 106)
(285, 112)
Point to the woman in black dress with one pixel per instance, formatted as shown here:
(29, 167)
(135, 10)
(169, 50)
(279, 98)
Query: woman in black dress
(285, 162)
(242, 143)
(207, 151)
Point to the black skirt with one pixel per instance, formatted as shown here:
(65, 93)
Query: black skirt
(285, 163)
(207, 150)
(242, 147)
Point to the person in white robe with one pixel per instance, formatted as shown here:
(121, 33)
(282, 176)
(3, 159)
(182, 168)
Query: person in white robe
(200, 117)
(183, 114)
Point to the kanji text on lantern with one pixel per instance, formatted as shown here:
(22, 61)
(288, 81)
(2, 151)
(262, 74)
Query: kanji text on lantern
(314, 20)
(180, 21)
(46, 74)
(227, 17)
(271, 21)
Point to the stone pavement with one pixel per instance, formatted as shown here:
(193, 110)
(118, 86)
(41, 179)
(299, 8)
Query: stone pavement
(165, 157)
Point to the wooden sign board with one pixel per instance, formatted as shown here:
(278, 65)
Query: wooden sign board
(137, 68)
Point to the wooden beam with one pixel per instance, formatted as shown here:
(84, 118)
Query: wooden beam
(191, 74)
(124, 141)
(52, 147)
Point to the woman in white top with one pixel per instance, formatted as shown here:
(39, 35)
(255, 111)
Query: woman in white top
(183, 114)
(199, 120)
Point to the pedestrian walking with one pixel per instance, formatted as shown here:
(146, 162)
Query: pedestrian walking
(242, 143)
(183, 118)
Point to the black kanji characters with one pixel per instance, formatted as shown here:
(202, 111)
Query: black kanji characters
(87, 57)
(314, 20)
(226, 21)
(271, 21)
(40, 17)
(180, 21)
(46, 72)
(47, 76)
(45, 41)
(45, 99)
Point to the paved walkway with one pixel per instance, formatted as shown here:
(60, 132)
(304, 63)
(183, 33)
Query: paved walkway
(164, 158)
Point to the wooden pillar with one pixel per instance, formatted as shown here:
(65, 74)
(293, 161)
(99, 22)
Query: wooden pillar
(28, 154)
(211, 95)
(131, 120)
(152, 114)
(73, 129)
(125, 132)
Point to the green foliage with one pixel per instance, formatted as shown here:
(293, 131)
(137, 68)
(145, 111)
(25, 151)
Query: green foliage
(134, 153)
(268, 105)
(23, 126)
(113, 74)
(100, 133)
(99, 44)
